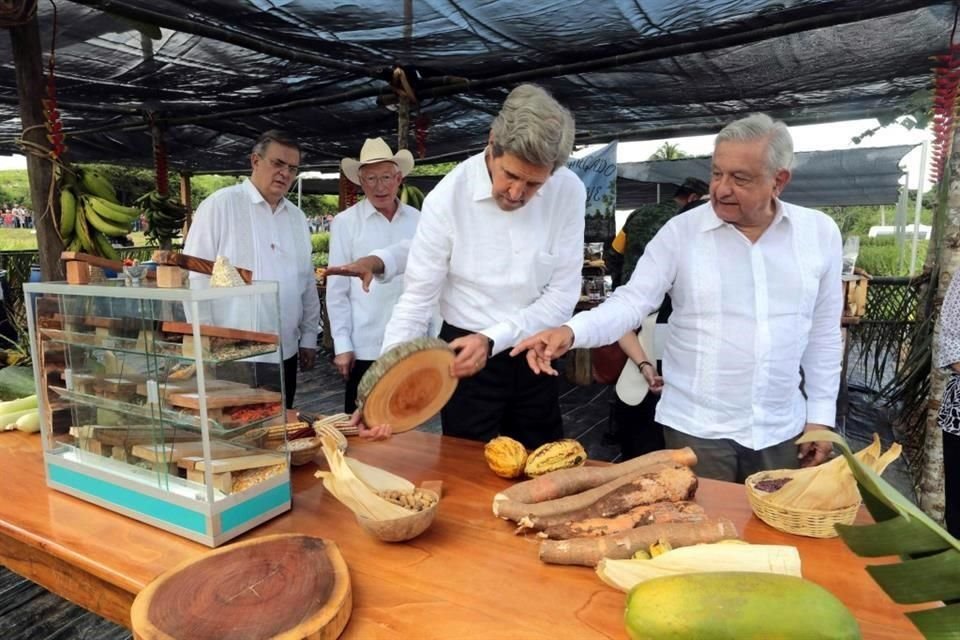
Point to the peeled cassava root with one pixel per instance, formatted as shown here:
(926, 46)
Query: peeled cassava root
(644, 485)
(569, 481)
(565, 527)
(620, 546)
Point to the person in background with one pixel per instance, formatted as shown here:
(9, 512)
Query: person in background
(755, 286)
(948, 358)
(635, 426)
(254, 226)
(359, 309)
(500, 248)
(643, 223)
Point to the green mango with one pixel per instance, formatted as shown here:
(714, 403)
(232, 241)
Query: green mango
(736, 606)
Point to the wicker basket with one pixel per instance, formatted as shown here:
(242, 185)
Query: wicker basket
(302, 450)
(812, 523)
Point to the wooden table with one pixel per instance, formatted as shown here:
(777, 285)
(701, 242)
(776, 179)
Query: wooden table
(467, 576)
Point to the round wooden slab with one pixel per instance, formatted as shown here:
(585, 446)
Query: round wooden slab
(407, 385)
(285, 587)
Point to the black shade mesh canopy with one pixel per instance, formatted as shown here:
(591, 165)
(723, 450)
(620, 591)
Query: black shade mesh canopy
(222, 71)
(866, 176)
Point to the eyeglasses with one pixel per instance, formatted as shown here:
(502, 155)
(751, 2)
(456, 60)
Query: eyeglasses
(280, 165)
(372, 181)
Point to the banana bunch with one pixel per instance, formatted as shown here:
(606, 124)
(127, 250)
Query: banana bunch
(91, 214)
(165, 216)
(411, 195)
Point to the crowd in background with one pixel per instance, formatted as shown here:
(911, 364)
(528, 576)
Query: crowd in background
(13, 216)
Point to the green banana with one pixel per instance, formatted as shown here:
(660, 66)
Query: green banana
(83, 232)
(103, 226)
(103, 244)
(74, 244)
(113, 212)
(95, 184)
(68, 213)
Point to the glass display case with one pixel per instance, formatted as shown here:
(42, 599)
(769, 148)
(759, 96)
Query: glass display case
(154, 401)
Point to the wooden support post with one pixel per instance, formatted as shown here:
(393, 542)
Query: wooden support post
(28, 68)
(186, 198)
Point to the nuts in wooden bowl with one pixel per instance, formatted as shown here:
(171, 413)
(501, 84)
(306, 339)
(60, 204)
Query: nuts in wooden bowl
(422, 512)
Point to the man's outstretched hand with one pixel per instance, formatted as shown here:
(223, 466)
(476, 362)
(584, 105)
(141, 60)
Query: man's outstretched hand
(364, 268)
(545, 346)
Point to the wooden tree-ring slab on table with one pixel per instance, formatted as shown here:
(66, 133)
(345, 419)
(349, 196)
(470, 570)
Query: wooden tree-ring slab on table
(287, 586)
(407, 385)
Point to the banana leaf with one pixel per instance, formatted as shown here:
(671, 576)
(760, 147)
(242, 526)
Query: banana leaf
(929, 570)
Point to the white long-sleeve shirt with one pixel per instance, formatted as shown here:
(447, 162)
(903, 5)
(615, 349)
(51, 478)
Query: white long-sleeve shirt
(238, 223)
(746, 317)
(505, 274)
(358, 318)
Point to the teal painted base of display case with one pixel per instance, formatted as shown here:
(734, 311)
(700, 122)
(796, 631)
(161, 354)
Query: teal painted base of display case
(190, 517)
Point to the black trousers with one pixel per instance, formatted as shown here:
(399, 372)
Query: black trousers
(504, 398)
(951, 482)
(637, 432)
(353, 381)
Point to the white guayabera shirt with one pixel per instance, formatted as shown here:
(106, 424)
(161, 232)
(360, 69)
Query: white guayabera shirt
(357, 317)
(505, 274)
(746, 317)
(238, 223)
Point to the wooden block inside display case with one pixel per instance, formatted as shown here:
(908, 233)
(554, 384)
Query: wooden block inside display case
(78, 272)
(221, 481)
(169, 277)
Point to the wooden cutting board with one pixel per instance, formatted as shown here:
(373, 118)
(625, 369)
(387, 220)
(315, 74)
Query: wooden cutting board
(281, 586)
(190, 386)
(220, 332)
(407, 385)
(224, 398)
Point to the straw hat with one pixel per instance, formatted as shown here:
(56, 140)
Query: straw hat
(632, 387)
(375, 150)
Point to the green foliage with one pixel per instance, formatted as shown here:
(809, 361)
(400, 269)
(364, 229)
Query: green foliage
(320, 241)
(203, 186)
(14, 188)
(668, 151)
(883, 258)
(438, 169)
(318, 205)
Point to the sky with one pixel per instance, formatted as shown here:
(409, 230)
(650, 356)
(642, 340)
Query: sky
(817, 137)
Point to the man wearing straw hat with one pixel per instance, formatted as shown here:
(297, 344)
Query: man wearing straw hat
(359, 310)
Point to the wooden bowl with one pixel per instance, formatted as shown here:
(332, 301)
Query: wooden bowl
(403, 528)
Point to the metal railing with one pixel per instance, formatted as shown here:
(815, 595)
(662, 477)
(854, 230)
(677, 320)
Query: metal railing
(878, 344)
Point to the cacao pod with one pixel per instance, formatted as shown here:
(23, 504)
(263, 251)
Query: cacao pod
(554, 456)
(505, 456)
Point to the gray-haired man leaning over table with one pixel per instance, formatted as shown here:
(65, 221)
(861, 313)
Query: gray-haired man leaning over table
(755, 284)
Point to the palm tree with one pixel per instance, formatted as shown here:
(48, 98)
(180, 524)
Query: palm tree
(669, 151)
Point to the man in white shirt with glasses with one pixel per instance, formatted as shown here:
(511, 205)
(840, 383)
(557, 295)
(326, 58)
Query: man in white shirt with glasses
(359, 309)
(756, 291)
(254, 226)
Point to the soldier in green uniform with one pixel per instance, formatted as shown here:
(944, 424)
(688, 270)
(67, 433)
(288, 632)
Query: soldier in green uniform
(643, 223)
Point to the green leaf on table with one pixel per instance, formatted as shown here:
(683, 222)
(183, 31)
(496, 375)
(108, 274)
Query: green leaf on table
(929, 570)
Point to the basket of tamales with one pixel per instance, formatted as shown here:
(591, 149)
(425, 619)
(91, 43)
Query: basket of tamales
(811, 501)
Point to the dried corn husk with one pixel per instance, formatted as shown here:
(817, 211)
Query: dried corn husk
(701, 558)
(831, 485)
(346, 487)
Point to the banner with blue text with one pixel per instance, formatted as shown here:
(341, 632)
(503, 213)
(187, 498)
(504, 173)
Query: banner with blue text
(599, 174)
